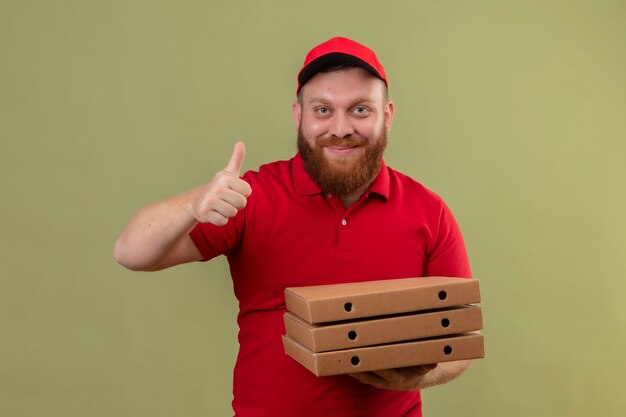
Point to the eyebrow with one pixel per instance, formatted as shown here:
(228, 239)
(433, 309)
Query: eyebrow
(353, 103)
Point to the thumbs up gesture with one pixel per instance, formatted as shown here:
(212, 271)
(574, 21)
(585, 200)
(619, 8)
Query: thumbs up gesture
(225, 194)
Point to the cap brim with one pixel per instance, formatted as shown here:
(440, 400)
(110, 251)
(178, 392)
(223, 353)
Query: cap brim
(328, 60)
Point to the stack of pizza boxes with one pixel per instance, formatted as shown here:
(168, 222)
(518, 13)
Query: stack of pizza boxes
(368, 326)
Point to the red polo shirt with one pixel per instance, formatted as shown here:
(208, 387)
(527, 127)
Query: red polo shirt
(292, 234)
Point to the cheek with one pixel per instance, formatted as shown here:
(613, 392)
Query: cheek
(312, 127)
(371, 128)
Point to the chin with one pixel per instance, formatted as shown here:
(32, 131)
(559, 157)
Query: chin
(341, 164)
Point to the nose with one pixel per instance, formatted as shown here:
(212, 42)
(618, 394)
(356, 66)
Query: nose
(341, 125)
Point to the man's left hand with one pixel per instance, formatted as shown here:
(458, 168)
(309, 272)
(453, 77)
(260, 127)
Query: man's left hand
(401, 379)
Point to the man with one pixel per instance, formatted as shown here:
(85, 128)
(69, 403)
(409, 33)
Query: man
(333, 213)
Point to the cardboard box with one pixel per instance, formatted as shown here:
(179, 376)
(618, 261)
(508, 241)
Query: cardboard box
(397, 355)
(328, 303)
(345, 335)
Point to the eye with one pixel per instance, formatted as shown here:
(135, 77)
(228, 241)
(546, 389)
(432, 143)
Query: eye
(322, 110)
(361, 110)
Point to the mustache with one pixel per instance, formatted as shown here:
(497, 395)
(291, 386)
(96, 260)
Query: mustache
(347, 141)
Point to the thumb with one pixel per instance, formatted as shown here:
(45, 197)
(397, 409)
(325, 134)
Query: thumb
(236, 160)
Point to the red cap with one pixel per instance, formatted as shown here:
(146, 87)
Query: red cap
(337, 51)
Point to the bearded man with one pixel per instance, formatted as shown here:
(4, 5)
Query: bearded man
(333, 213)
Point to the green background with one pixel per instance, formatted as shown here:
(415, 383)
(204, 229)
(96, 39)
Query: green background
(514, 112)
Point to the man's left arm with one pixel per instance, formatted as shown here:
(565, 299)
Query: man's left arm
(414, 377)
(447, 258)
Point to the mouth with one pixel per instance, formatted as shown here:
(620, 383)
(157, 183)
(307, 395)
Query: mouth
(341, 150)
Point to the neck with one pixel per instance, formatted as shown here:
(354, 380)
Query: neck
(348, 200)
(352, 198)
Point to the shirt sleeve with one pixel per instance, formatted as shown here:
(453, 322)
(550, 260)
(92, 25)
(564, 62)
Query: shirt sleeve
(448, 257)
(213, 241)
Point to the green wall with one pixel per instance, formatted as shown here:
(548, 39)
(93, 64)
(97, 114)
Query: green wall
(514, 112)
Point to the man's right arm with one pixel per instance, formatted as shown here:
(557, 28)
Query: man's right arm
(157, 237)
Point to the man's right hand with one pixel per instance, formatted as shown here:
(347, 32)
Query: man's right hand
(157, 236)
(226, 194)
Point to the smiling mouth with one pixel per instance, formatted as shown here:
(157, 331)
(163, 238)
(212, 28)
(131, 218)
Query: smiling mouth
(339, 147)
(340, 150)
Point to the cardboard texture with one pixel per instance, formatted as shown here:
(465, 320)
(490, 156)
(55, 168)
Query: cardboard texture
(345, 335)
(398, 355)
(336, 302)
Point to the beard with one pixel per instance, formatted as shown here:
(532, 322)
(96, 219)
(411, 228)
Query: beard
(342, 176)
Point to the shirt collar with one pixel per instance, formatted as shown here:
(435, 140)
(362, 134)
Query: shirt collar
(381, 183)
(305, 185)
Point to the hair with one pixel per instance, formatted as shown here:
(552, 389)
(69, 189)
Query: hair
(338, 67)
(342, 66)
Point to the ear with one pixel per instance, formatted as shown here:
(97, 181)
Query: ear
(296, 113)
(389, 111)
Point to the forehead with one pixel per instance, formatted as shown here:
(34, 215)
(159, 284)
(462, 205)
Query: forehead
(343, 85)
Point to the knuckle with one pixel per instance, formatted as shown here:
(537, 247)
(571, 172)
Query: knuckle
(208, 215)
(204, 210)
(218, 220)
(232, 211)
(218, 188)
(202, 215)
(240, 203)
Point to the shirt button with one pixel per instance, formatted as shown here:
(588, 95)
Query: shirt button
(344, 222)
(329, 195)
